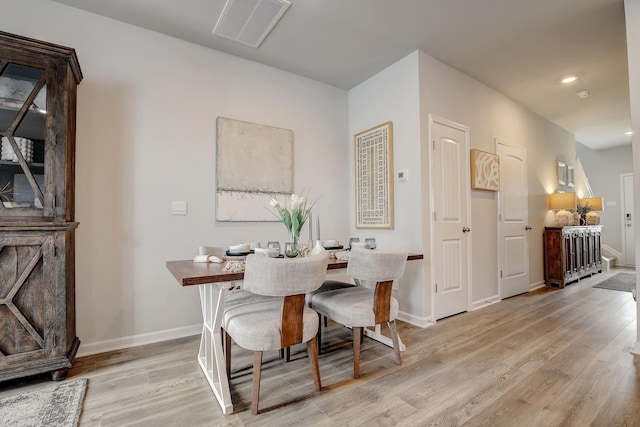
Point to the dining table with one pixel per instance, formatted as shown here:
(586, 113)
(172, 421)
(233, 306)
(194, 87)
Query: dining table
(213, 283)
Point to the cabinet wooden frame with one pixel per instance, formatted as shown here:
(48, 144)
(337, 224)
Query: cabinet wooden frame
(37, 243)
(571, 253)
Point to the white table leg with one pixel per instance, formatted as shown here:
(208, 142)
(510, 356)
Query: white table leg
(211, 356)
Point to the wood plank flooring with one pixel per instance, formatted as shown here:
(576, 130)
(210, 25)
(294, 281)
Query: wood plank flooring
(552, 357)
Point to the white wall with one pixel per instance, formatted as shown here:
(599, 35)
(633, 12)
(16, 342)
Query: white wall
(455, 96)
(603, 169)
(391, 95)
(632, 17)
(406, 93)
(147, 111)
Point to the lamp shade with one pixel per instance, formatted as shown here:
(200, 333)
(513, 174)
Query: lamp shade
(562, 201)
(595, 203)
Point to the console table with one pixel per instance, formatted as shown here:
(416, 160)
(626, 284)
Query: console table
(571, 253)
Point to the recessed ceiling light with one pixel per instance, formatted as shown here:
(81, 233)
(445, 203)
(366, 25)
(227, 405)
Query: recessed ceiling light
(569, 79)
(584, 94)
(629, 133)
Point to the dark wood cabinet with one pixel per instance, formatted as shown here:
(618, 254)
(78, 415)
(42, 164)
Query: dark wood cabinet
(571, 253)
(38, 82)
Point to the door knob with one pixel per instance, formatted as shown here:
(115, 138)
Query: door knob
(465, 229)
(527, 228)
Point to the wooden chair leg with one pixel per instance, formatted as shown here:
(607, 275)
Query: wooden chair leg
(257, 372)
(285, 353)
(357, 336)
(312, 351)
(396, 341)
(319, 334)
(227, 352)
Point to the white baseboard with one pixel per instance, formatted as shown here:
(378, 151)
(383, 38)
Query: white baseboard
(538, 285)
(484, 302)
(136, 340)
(421, 322)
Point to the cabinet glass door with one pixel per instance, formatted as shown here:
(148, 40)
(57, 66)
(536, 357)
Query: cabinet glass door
(23, 103)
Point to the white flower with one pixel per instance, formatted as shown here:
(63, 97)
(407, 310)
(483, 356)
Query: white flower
(274, 203)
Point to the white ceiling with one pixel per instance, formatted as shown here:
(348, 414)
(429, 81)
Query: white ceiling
(519, 47)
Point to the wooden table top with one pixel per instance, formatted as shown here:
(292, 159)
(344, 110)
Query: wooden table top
(189, 273)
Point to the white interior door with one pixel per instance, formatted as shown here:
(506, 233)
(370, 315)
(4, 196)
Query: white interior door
(513, 211)
(628, 221)
(451, 233)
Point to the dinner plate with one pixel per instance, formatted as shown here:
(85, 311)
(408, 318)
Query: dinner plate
(238, 253)
(329, 248)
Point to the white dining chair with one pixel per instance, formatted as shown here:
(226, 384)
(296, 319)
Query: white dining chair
(278, 317)
(359, 306)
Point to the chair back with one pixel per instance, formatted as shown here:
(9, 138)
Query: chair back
(282, 277)
(375, 265)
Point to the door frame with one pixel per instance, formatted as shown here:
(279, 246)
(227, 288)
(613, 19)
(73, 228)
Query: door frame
(622, 219)
(434, 119)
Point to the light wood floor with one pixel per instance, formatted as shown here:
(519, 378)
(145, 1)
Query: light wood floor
(547, 358)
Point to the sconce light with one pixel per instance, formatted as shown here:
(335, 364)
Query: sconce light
(562, 203)
(594, 205)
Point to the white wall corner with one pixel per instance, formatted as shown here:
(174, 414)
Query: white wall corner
(136, 340)
(421, 322)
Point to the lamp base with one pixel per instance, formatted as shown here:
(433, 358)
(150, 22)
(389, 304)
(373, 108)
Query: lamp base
(592, 218)
(564, 218)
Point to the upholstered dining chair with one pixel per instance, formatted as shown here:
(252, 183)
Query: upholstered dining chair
(280, 318)
(360, 306)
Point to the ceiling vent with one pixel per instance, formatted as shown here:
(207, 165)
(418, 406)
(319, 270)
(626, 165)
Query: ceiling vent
(249, 21)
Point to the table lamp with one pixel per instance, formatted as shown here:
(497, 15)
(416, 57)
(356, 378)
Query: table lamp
(562, 203)
(595, 205)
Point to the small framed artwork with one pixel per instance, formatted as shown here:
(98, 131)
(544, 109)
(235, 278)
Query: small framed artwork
(485, 171)
(373, 153)
(570, 176)
(562, 173)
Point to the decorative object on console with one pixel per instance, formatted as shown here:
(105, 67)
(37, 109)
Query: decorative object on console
(562, 203)
(374, 177)
(589, 208)
(485, 171)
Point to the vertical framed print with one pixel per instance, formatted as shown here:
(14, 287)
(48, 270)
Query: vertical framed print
(562, 173)
(373, 152)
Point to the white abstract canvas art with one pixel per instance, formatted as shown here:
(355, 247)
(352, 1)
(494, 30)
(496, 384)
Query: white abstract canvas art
(485, 171)
(254, 163)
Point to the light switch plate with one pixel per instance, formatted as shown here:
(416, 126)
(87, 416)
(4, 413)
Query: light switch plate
(178, 207)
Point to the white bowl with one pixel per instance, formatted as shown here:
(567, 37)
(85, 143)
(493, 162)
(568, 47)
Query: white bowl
(330, 243)
(243, 247)
(270, 252)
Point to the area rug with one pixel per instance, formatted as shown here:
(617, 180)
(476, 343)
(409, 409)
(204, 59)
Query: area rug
(620, 282)
(55, 406)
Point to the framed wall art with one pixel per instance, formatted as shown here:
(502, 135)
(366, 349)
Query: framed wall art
(253, 163)
(485, 171)
(373, 152)
(570, 176)
(562, 173)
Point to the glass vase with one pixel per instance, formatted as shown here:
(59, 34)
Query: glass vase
(292, 249)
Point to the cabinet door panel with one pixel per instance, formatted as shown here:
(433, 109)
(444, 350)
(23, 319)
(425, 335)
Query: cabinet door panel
(27, 288)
